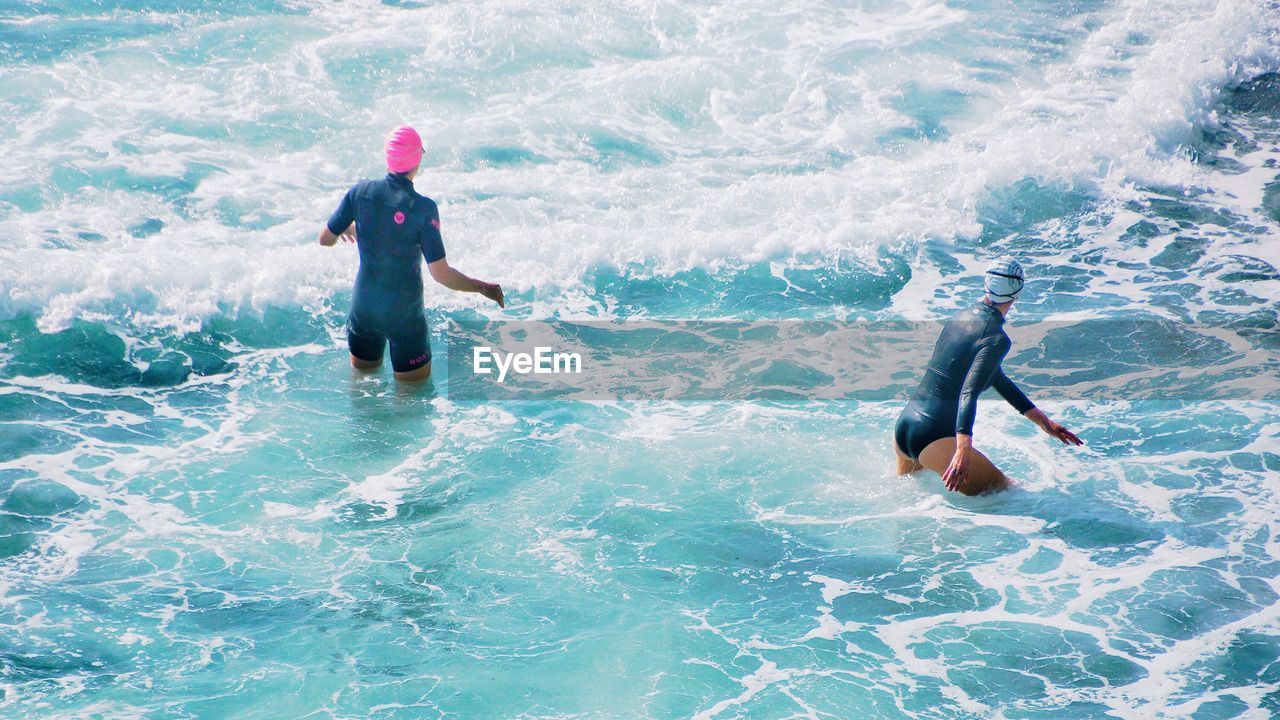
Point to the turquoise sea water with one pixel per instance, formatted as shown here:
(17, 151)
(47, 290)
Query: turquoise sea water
(204, 514)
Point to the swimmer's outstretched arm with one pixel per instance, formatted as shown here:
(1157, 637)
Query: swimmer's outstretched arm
(448, 276)
(1015, 397)
(1053, 429)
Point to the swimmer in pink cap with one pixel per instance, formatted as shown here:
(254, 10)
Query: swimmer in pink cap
(392, 225)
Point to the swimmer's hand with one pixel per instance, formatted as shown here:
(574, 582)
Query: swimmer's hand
(445, 274)
(493, 291)
(1066, 436)
(1053, 429)
(958, 471)
(349, 234)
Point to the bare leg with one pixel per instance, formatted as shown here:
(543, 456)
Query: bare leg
(905, 464)
(984, 476)
(417, 375)
(359, 364)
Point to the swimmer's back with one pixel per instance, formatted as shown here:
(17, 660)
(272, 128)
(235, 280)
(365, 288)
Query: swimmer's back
(966, 361)
(395, 226)
(958, 344)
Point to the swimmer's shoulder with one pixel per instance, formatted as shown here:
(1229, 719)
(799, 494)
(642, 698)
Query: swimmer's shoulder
(987, 325)
(361, 188)
(425, 206)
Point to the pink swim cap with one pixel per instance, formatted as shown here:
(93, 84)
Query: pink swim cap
(404, 149)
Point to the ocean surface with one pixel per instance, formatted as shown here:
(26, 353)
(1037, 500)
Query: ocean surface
(205, 514)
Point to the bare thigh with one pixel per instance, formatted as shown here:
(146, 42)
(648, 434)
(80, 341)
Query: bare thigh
(984, 476)
(359, 364)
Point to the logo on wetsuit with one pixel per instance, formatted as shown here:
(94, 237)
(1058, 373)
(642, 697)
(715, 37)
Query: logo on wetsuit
(398, 217)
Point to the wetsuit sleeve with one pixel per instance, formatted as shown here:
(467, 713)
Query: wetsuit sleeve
(985, 365)
(1011, 392)
(432, 242)
(342, 218)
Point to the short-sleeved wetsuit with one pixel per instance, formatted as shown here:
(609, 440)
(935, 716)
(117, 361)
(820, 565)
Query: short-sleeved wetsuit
(966, 361)
(395, 226)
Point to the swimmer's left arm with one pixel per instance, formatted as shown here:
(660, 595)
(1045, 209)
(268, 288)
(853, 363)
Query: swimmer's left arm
(1011, 392)
(450, 277)
(1037, 416)
(444, 273)
(1015, 397)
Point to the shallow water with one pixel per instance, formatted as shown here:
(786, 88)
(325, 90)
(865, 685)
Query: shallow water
(204, 514)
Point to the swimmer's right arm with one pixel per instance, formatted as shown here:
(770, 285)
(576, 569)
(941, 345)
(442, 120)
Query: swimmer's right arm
(985, 364)
(448, 276)
(329, 238)
(342, 223)
(958, 469)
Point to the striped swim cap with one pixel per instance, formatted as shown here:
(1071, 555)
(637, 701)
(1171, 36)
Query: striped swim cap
(1003, 280)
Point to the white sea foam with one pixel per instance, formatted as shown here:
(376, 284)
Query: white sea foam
(667, 138)
(725, 102)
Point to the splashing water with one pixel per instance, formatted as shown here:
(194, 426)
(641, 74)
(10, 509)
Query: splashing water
(203, 514)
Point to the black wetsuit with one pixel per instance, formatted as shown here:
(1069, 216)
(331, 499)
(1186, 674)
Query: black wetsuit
(966, 361)
(394, 227)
